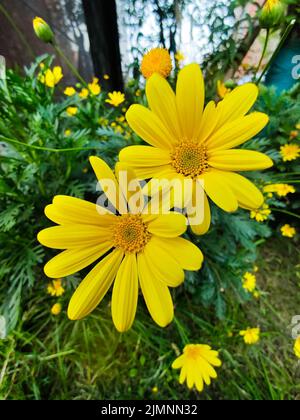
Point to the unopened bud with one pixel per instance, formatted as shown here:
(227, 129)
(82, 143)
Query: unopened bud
(43, 30)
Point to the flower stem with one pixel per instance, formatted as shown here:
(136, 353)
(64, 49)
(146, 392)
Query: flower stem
(279, 46)
(286, 212)
(182, 333)
(69, 64)
(263, 52)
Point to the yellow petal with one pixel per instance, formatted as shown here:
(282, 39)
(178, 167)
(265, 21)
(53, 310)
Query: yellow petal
(162, 102)
(239, 160)
(190, 100)
(219, 192)
(237, 103)
(168, 225)
(208, 122)
(70, 210)
(73, 260)
(94, 287)
(183, 374)
(149, 127)
(237, 132)
(187, 255)
(74, 236)
(163, 265)
(146, 172)
(199, 383)
(202, 227)
(247, 194)
(130, 187)
(125, 294)
(156, 294)
(144, 156)
(105, 175)
(179, 362)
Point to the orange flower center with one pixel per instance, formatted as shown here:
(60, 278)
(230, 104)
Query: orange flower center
(157, 60)
(192, 351)
(130, 233)
(189, 159)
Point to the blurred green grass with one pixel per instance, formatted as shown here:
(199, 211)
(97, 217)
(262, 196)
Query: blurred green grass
(50, 357)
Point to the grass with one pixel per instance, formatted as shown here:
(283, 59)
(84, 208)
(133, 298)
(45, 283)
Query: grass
(52, 358)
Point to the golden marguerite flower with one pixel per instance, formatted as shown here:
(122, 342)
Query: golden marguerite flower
(55, 288)
(56, 309)
(140, 248)
(115, 98)
(297, 347)
(280, 189)
(157, 60)
(288, 231)
(189, 143)
(222, 89)
(261, 214)
(72, 111)
(196, 364)
(251, 335)
(94, 87)
(51, 77)
(249, 282)
(69, 91)
(289, 152)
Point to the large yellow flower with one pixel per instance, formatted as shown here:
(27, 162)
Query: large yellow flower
(140, 248)
(196, 364)
(187, 142)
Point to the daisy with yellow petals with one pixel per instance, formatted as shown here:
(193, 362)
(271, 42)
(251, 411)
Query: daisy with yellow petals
(69, 91)
(281, 190)
(84, 93)
(289, 152)
(141, 250)
(187, 142)
(288, 231)
(157, 60)
(197, 365)
(56, 309)
(51, 77)
(94, 87)
(251, 335)
(249, 282)
(72, 111)
(55, 288)
(297, 347)
(115, 98)
(261, 214)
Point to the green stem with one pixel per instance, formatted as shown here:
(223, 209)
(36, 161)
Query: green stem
(263, 52)
(69, 64)
(279, 46)
(182, 333)
(285, 212)
(17, 30)
(47, 149)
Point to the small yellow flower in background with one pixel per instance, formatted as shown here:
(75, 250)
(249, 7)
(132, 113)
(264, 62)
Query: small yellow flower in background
(196, 364)
(69, 91)
(55, 288)
(289, 152)
(230, 334)
(298, 126)
(51, 77)
(115, 98)
(288, 231)
(261, 214)
(297, 347)
(103, 121)
(121, 118)
(251, 335)
(94, 87)
(280, 189)
(106, 77)
(56, 309)
(255, 269)
(72, 110)
(256, 294)
(157, 60)
(68, 132)
(249, 282)
(155, 390)
(294, 134)
(138, 92)
(42, 30)
(42, 66)
(179, 56)
(222, 89)
(84, 93)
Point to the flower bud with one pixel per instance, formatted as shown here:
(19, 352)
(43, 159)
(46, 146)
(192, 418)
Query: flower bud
(43, 30)
(271, 14)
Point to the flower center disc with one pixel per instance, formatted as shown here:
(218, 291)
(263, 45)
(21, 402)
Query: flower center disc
(130, 233)
(189, 159)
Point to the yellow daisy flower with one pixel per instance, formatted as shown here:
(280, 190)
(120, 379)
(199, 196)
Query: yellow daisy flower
(68, 132)
(70, 91)
(55, 288)
(251, 335)
(84, 93)
(294, 134)
(106, 77)
(94, 87)
(280, 189)
(249, 282)
(289, 152)
(196, 364)
(179, 56)
(222, 89)
(297, 347)
(56, 309)
(52, 77)
(288, 231)
(157, 60)
(187, 143)
(298, 126)
(115, 98)
(140, 248)
(261, 214)
(71, 111)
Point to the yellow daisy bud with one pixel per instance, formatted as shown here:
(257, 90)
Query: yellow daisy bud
(157, 60)
(69, 91)
(251, 335)
(42, 30)
(56, 309)
(71, 111)
(271, 14)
